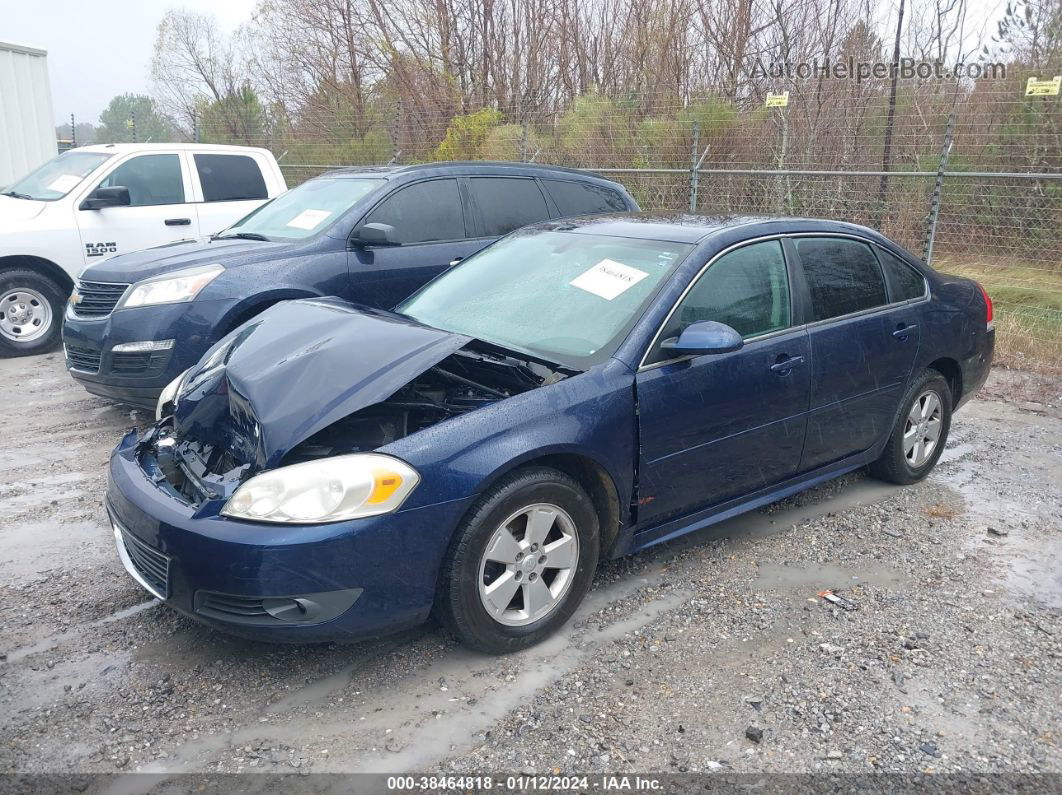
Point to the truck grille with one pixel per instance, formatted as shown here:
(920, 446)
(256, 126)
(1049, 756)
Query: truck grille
(98, 299)
(84, 359)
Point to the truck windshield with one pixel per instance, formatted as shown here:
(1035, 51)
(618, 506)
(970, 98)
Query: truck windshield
(302, 211)
(58, 176)
(565, 297)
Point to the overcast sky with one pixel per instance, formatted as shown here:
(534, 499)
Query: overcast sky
(100, 48)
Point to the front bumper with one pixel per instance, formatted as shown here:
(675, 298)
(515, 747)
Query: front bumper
(346, 581)
(138, 378)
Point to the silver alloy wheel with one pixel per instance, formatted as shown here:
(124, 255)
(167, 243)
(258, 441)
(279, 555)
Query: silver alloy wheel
(921, 432)
(25, 315)
(529, 565)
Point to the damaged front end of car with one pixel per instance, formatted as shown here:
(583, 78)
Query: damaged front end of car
(310, 380)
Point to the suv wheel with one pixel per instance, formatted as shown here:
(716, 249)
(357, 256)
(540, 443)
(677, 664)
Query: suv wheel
(520, 563)
(31, 312)
(920, 433)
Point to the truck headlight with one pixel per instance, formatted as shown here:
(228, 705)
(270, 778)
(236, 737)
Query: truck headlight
(329, 490)
(168, 394)
(171, 288)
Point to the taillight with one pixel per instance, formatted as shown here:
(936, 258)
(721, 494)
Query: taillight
(988, 309)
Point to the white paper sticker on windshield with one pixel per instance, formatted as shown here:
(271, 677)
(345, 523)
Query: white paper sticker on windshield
(608, 279)
(308, 219)
(65, 183)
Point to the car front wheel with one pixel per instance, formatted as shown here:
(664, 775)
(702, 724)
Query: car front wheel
(521, 562)
(31, 312)
(920, 433)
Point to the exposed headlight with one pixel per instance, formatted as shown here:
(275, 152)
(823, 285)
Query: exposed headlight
(172, 288)
(169, 392)
(329, 490)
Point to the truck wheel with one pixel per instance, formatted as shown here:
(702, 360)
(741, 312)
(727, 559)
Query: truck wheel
(31, 313)
(520, 563)
(920, 433)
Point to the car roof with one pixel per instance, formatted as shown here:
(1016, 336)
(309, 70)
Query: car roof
(692, 228)
(469, 168)
(165, 147)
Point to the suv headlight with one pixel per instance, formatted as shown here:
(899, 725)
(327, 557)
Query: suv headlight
(329, 490)
(171, 288)
(169, 392)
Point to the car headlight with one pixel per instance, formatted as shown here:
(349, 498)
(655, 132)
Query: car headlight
(171, 288)
(168, 394)
(329, 490)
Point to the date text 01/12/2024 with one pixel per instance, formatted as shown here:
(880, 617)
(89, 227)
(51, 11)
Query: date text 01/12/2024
(522, 783)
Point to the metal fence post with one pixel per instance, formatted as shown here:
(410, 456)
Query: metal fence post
(934, 202)
(73, 133)
(523, 142)
(695, 146)
(195, 126)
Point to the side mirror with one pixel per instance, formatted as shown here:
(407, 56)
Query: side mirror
(704, 337)
(117, 196)
(375, 235)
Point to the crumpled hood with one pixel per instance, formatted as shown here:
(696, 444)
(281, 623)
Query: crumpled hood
(138, 265)
(297, 368)
(13, 210)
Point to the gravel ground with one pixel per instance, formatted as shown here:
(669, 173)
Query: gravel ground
(715, 652)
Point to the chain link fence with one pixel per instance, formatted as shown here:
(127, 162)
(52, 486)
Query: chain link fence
(966, 175)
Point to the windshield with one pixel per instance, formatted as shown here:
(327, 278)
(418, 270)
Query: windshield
(303, 211)
(58, 176)
(568, 298)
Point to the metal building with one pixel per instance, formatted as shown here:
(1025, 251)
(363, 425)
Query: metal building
(27, 127)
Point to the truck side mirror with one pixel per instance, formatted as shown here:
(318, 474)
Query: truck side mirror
(118, 196)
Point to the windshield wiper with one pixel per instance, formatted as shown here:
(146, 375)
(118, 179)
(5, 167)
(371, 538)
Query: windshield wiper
(17, 195)
(241, 236)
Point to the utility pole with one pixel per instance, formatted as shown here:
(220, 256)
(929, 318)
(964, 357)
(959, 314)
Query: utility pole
(886, 157)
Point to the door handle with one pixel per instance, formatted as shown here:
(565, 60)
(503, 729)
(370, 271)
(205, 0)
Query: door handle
(455, 260)
(785, 365)
(178, 222)
(902, 332)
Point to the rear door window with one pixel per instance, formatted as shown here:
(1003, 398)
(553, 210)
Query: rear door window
(904, 281)
(843, 276)
(584, 198)
(151, 180)
(227, 178)
(507, 203)
(425, 212)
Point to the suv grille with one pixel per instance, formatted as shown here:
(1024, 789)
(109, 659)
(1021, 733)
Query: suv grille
(138, 363)
(98, 299)
(83, 359)
(151, 564)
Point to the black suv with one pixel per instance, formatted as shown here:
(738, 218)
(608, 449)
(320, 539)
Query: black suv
(370, 235)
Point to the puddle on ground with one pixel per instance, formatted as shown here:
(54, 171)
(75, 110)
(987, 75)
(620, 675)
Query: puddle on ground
(815, 577)
(27, 550)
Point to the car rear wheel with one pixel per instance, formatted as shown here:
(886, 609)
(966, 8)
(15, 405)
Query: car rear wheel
(31, 312)
(920, 433)
(521, 562)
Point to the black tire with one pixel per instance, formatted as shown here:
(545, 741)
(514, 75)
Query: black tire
(894, 466)
(49, 291)
(458, 604)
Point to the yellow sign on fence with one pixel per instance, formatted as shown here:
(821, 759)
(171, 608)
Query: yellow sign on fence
(780, 100)
(1041, 88)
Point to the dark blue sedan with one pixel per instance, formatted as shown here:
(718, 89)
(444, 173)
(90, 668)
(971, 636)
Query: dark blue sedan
(369, 235)
(576, 391)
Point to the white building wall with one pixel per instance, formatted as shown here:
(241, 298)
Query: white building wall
(27, 126)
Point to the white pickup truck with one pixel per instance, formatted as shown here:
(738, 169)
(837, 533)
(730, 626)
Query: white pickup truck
(94, 202)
